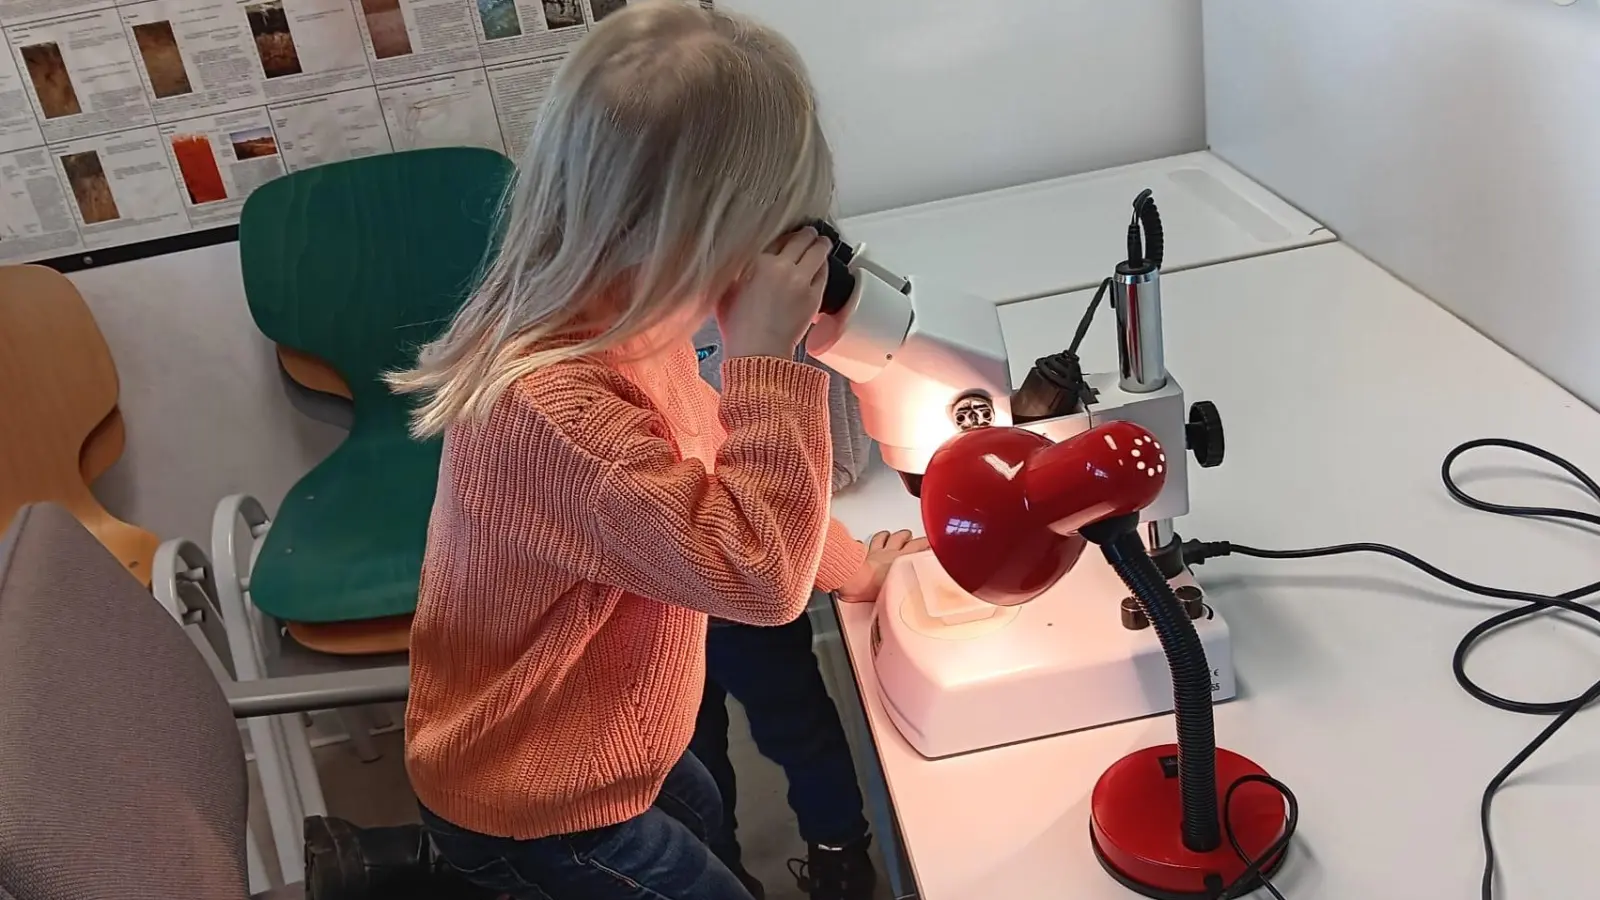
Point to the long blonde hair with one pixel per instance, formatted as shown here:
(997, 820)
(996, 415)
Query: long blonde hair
(676, 145)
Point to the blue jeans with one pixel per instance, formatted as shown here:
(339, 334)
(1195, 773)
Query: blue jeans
(775, 677)
(661, 854)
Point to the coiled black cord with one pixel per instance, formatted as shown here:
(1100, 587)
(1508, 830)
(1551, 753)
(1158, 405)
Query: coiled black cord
(1196, 552)
(1191, 687)
(1146, 218)
(1252, 876)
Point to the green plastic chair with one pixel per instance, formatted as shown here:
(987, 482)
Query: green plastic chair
(358, 263)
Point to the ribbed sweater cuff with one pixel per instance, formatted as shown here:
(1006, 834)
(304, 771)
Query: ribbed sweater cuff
(842, 557)
(769, 373)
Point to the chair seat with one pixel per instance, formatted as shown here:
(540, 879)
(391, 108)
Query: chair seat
(289, 658)
(347, 542)
(369, 637)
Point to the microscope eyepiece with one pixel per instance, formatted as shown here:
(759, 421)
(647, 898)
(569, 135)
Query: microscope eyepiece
(841, 281)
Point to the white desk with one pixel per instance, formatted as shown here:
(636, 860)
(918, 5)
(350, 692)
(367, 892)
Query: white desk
(1068, 233)
(1341, 390)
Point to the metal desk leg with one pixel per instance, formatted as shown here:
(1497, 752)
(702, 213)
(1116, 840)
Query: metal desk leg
(841, 681)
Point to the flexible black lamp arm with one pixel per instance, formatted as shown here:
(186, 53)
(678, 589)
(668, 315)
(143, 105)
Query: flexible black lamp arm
(1191, 677)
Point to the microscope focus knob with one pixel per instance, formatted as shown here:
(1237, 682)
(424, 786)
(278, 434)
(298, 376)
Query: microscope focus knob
(1204, 434)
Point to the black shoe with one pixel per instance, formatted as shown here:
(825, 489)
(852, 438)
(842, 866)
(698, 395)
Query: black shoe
(756, 888)
(837, 873)
(344, 862)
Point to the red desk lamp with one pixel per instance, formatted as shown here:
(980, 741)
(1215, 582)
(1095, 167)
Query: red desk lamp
(1007, 513)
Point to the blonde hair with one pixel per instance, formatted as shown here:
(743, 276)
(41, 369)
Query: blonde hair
(676, 144)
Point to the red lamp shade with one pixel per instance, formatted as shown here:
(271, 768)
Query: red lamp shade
(1002, 506)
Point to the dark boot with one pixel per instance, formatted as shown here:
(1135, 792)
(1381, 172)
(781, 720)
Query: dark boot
(756, 888)
(837, 873)
(344, 862)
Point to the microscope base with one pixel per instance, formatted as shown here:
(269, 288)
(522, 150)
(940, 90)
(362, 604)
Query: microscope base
(957, 675)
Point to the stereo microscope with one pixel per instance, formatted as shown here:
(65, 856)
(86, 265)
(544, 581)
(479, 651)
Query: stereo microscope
(1031, 653)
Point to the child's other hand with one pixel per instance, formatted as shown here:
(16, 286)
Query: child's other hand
(882, 550)
(768, 312)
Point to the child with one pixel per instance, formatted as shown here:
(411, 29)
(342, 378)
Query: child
(597, 500)
(774, 675)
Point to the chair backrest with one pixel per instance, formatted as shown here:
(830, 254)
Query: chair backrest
(58, 385)
(103, 447)
(359, 262)
(356, 264)
(121, 773)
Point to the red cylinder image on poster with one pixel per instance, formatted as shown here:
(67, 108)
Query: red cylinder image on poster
(198, 163)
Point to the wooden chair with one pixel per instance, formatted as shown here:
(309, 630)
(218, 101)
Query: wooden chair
(58, 409)
(348, 268)
(103, 447)
(354, 265)
(311, 373)
(311, 376)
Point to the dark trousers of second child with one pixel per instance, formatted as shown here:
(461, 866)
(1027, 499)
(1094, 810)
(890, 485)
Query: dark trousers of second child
(775, 676)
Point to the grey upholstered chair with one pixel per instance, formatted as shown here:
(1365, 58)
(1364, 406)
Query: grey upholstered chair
(121, 772)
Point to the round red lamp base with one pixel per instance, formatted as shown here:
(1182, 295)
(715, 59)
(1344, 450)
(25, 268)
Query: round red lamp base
(1136, 826)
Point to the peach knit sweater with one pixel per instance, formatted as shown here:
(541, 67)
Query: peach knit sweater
(579, 539)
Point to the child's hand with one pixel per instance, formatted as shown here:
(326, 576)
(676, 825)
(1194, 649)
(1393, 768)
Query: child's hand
(882, 550)
(768, 312)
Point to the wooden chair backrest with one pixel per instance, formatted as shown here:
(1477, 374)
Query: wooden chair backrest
(57, 386)
(312, 373)
(103, 447)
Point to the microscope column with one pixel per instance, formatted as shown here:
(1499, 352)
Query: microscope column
(1136, 297)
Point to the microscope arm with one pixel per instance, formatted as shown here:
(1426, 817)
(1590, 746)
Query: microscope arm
(926, 362)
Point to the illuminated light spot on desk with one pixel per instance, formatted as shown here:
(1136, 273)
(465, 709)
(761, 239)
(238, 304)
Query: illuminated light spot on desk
(1150, 472)
(1135, 452)
(1141, 467)
(1163, 457)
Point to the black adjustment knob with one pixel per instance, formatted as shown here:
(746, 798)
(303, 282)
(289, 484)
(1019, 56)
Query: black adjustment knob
(1204, 434)
(1192, 599)
(1133, 617)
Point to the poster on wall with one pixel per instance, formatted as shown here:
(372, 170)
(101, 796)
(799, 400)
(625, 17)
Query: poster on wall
(142, 126)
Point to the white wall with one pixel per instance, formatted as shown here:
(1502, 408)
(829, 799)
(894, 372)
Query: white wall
(205, 412)
(925, 98)
(1455, 142)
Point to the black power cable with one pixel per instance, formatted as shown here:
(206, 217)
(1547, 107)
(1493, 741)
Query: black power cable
(1196, 552)
(1088, 317)
(1253, 876)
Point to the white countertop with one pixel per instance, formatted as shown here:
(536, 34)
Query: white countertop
(1341, 390)
(1068, 233)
